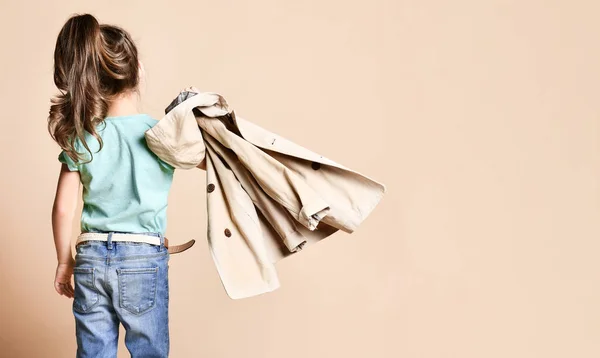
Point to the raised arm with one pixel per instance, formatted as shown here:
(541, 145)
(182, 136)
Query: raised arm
(202, 164)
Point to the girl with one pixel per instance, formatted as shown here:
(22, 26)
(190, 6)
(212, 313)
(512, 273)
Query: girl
(121, 267)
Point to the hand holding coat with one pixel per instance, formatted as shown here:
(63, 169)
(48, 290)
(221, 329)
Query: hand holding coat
(267, 197)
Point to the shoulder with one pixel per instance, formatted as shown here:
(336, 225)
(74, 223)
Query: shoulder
(151, 121)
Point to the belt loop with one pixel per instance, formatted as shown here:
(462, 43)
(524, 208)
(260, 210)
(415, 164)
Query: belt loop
(162, 240)
(109, 241)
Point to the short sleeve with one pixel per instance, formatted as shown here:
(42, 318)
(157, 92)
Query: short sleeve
(64, 158)
(166, 165)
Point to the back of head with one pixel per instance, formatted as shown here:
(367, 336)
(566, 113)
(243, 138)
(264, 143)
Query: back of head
(93, 63)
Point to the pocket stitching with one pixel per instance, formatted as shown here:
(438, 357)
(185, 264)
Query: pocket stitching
(76, 303)
(122, 272)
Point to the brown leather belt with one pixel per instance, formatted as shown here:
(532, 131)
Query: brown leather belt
(178, 248)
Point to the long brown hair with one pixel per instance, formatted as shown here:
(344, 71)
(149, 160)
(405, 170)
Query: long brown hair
(93, 63)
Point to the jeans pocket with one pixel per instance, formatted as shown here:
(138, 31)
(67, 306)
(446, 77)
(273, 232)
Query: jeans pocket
(86, 293)
(137, 288)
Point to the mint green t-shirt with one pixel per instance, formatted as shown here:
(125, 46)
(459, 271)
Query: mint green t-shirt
(126, 185)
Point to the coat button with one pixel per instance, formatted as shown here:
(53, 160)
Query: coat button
(210, 187)
(316, 165)
(227, 233)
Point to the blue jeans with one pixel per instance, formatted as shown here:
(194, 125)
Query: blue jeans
(121, 282)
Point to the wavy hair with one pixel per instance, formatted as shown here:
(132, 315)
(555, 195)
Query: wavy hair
(93, 63)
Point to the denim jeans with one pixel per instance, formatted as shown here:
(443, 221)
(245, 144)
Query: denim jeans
(121, 282)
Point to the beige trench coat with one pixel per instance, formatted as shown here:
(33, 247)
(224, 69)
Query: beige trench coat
(267, 197)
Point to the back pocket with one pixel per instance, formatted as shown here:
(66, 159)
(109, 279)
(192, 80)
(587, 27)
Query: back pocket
(137, 288)
(86, 293)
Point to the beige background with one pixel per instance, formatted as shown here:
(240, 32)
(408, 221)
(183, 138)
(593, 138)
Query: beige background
(481, 117)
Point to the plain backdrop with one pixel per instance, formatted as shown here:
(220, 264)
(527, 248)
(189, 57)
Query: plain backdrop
(481, 117)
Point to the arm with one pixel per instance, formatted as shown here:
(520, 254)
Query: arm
(63, 212)
(202, 164)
